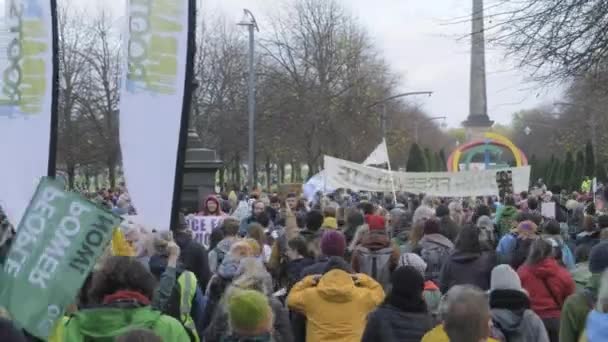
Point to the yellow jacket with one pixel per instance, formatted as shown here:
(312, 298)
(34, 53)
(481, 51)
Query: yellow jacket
(336, 309)
(439, 335)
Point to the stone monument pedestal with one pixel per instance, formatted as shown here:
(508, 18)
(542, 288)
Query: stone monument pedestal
(199, 174)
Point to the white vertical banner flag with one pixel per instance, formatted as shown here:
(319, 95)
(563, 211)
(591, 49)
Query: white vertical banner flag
(152, 99)
(27, 89)
(378, 156)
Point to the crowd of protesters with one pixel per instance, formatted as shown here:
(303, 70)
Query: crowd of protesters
(353, 267)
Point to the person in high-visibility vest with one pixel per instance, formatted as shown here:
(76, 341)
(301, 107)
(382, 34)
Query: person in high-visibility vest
(586, 185)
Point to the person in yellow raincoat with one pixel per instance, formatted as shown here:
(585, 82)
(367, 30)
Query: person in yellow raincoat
(336, 304)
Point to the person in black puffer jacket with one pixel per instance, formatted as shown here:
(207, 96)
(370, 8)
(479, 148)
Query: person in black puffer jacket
(403, 316)
(193, 255)
(467, 264)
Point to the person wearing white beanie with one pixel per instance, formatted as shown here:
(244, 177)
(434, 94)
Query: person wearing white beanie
(432, 295)
(510, 308)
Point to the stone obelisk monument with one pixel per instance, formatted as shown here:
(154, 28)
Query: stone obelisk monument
(478, 121)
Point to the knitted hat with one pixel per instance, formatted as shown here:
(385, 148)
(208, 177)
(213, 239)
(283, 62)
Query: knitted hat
(598, 258)
(505, 278)
(333, 243)
(414, 260)
(330, 222)
(442, 211)
(375, 222)
(528, 227)
(407, 282)
(248, 310)
(431, 226)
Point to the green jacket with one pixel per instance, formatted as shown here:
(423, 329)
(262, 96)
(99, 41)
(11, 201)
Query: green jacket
(105, 324)
(507, 220)
(575, 311)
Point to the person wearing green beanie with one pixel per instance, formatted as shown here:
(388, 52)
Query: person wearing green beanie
(250, 317)
(577, 306)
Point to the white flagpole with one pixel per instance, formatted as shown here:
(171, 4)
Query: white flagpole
(390, 172)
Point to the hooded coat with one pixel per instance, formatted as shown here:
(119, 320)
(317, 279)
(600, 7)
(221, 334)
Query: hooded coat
(511, 315)
(205, 211)
(548, 285)
(107, 323)
(336, 307)
(435, 250)
(467, 268)
(576, 309)
(389, 324)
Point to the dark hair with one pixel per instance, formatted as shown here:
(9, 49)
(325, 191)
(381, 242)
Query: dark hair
(540, 250)
(367, 208)
(581, 254)
(524, 195)
(275, 199)
(468, 240)
(602, 221)
(314, 220)
(216, 236)
(354, 219)
(230, 226)
(121, 273)
(292, 195)
(509, 200)
(532, 203)
(263, 219)
(256, 232)
(552, 227)
(139, 335)
(329, 211)
(442, 211)
(299, 245)
(481, 210)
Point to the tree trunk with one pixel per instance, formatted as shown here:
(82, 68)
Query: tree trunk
(238, 172)
(293, 173)
(281, 172)
(222, 171)
(112, 173)
(268, 173)
(71, 170)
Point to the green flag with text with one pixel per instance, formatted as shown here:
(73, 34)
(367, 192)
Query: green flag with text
(59, 239)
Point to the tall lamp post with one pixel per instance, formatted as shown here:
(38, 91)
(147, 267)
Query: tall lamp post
(417, 124)
(383, 103)
(249, 21)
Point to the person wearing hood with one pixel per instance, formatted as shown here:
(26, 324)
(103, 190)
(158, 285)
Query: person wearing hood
(251, 275)
(510, 308)
(121, 292)
(548, 284)
(487, 234)
(467, 264)
(577, 306)
(404, 315)
(434, 249)
(226, 272)
(230, 227)
(597, 321)
(447, 227)
(336, 304)
(211, 207)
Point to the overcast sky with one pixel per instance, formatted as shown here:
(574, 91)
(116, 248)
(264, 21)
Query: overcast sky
(424, 47)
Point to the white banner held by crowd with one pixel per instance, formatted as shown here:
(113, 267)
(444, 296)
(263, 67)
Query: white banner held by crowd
(203, 226)
(151, 104)
(345, 174)
(26, 100)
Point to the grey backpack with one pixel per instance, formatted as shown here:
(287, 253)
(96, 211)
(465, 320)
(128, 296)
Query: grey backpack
(376, 264)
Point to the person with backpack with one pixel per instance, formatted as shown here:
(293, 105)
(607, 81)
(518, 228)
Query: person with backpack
(577, 306)
(548, 284)
(552, 230)
(434, 249)
(431, 293)
(230, 227)
(468, 264)
(513, 248)
(376, 255)
(404, 315)
(510, 308)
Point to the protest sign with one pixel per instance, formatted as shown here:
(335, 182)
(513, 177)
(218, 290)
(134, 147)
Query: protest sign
(202, 226)
(344, 174)
(60, 237)
(548, 209)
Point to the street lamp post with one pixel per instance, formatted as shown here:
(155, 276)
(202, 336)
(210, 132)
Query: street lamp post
(417, 124)
(249, 21)
(383, 102)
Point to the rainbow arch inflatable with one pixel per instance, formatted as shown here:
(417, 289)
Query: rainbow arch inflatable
(491, 142)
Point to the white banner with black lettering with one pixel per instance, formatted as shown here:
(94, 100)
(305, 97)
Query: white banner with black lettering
(151, 104)
(345, 174)
(203, 226)
(26, 100)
